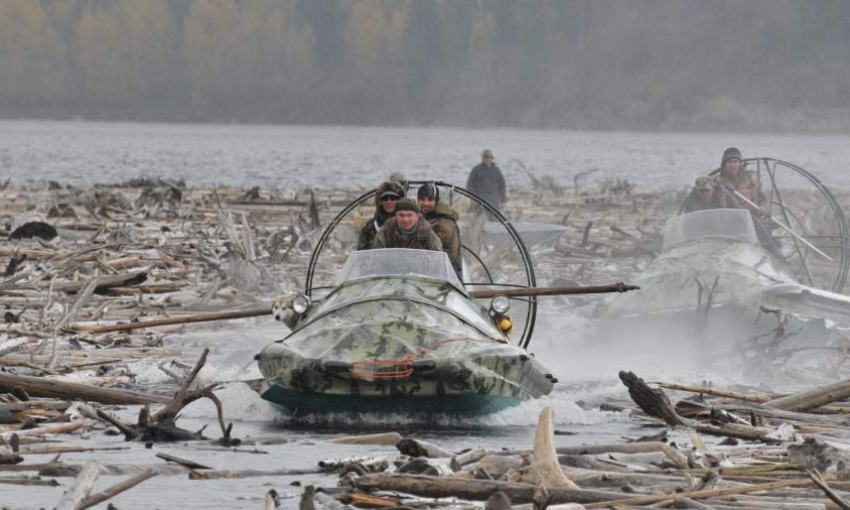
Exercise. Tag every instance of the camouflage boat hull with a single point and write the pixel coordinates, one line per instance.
(399, 343)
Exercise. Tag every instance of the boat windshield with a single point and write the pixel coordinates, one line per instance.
(398, 261)
(728, 223)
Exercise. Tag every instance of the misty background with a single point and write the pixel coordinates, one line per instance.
(757, 65)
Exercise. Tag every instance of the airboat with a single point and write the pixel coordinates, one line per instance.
(396, 330)
(747, 282)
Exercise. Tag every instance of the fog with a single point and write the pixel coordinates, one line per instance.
(715, 65)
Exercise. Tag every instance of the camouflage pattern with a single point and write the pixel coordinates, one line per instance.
(422, 237)
(443, 221)
(366, 239)
(726, 274)
(457, 352)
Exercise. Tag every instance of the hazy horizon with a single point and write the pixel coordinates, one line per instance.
(772, 66)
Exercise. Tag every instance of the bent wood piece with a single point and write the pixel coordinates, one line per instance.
(703, 494)
(554, 291)
(41, 387)
(653, 401)
(812, 398)
(545, 469)
(382, 439)
(215, 474)
(80, 488)
(186, 319)
(116, 489)
(475, 490)
(753, 398)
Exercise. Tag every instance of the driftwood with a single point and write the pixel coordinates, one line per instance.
(544, 469)
(652, 401)
(475, 490)
(41, 387)
(212, 474)
(75, 494)
(118, 488)
(417, 448)
(812, 398)
(385, 438)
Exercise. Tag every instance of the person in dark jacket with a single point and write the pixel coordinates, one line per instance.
(407, 229)
(702, 196)
(486, 181)
(386, 197)
(443, 221)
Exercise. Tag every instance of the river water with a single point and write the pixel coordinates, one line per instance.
(286, 157)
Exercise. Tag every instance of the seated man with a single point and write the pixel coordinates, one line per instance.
(386, 196)
(443, 221)
(407, 229)
(702, 196)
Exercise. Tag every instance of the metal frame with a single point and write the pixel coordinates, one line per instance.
(531, 314)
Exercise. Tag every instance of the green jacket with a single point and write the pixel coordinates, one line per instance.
(421, 237)
(443, 221)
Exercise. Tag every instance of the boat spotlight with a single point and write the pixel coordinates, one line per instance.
(301, 303)
(500, 305)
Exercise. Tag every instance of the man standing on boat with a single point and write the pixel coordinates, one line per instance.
(487, 182)
(407, 229)
(386, 197)
(443, 221)
(731, 178)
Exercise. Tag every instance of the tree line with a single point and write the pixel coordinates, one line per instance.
(772, 65)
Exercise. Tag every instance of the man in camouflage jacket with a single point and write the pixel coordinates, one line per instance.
(407, 229)
(443, 221)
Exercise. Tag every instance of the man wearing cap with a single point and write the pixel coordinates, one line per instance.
(386, 197)
(407, 229)
(443, 221)
(701, 197)
(487, 182)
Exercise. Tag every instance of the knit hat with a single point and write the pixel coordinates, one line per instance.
(407, 204)
(486, 153)
(730, 153)
(428, 190)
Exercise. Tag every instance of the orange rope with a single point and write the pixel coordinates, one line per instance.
(373, 370)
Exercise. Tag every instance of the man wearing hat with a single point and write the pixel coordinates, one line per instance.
(731, 178)
(386, 197)
(487, 182)
(443, 221)
(407, 229)
(701, 197)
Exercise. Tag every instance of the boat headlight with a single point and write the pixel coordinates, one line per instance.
(500, 305)
(301, 303)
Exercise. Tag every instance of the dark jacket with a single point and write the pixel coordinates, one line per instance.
(443, 221)
(366, 239)
(421, 237)
(488, 183)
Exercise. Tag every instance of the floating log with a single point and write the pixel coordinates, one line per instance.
(213, 474)
(118, 488)
(41, 387)
(75, 494)
(384, 438)
(475, 490)
(812, 398)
